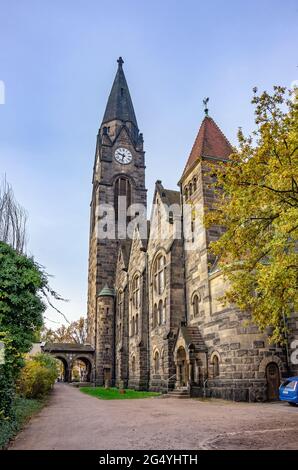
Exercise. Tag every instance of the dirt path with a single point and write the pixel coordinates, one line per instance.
(73, 420)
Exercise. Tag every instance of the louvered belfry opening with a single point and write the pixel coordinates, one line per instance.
(122, 189)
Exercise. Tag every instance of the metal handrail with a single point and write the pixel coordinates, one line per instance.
(168, 380)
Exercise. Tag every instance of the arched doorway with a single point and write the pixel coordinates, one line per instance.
(273, 381)
(81, 370)
(182, 368)
(63, 369)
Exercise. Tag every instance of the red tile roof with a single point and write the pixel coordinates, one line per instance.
(210, 142)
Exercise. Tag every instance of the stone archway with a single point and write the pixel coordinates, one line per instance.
(69, 353)
(271, 368)
(85, 373)
(66, 375)
(181, 368)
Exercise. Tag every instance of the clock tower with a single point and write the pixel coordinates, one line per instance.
(118, 182)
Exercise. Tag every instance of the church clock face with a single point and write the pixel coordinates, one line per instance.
(123, 156)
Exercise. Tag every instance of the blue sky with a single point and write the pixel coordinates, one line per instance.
(58, 61)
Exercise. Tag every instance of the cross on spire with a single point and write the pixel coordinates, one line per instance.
(120, 61)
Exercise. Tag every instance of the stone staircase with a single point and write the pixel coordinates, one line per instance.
(181, 392)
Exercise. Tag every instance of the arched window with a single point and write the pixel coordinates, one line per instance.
(190, 189)
(195, 303)
(154, 319)
(160, 312)
(137, 325)
(215, 364)
(159, 274)
(133, 326)
(194, 184)
(156, 362)
(136, 291)
(186, 194)
(122, 188)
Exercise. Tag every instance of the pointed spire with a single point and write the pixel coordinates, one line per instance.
(119, 104)
(210, 142)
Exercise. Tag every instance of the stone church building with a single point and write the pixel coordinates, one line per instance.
(154, 318)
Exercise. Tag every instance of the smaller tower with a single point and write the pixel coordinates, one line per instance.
(105, 351)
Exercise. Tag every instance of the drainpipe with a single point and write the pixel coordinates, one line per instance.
(114, 341)
(286, 341)
(148, 322)
(95, 343)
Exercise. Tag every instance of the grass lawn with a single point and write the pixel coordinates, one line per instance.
(23, 409)
(114, 393)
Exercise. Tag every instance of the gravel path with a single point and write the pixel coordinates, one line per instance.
(73, 420)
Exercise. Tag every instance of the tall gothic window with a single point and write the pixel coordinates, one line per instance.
(215, 366)
(122, 188)
(195, 305)
(136, 291)
(160, 312)
(133, 365)
(159, 274)
(156, 362)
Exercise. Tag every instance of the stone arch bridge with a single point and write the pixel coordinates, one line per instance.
(69, 353)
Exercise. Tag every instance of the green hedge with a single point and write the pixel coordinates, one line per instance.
(23, 409)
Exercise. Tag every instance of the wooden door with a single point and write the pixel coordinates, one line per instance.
(273, 381)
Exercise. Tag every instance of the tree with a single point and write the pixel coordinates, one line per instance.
(75, 332)
(257, 203)
(13, 219)
(21, 309)
(24, 292)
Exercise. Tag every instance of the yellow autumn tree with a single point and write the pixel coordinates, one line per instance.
(257, 203)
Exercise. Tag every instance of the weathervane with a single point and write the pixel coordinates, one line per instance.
(205, 102)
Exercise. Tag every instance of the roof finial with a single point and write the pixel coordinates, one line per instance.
(205, 102)
(120, 61)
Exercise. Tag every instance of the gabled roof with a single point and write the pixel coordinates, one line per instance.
(119, 104)
(210, 142)
(168, 196)
(193, 338)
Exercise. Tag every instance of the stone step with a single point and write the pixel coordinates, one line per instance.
(179, 393)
